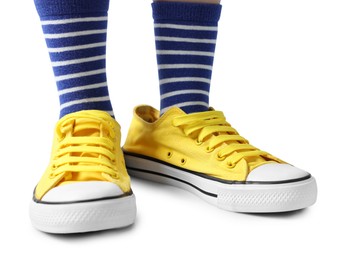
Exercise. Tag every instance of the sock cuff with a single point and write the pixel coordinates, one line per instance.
(190, 12)
(70, 7)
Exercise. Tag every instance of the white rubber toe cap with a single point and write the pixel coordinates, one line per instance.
(274, 172)
(80, 191)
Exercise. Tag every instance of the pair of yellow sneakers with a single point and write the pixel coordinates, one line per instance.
(86, 186)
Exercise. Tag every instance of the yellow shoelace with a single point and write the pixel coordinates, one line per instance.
(85, 146)
(212, 126)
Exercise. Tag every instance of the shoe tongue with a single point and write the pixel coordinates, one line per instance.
(85, 127)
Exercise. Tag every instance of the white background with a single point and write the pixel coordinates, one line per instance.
(279, 76)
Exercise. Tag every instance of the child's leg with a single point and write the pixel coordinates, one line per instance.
(86, 186)
(201, 152)
(185, 36)
(75, 33)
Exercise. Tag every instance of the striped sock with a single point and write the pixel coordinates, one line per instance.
(75, 33)
(185, 37)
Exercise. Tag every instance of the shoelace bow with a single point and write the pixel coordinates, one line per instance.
(212, 126)
(91, 154)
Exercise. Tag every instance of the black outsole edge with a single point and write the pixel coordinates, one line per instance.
(214, 178)
(176, 179)
(82, 201)
(179, 180)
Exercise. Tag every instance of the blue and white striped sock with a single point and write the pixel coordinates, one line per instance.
(75, 33)
(185, 37)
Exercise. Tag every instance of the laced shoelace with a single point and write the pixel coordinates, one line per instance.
(88, 154)
(212, 126)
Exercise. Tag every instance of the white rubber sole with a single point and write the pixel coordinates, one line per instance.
(82, 217)
(252, 198)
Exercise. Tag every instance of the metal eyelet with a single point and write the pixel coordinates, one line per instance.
(220, 158)
(209, 150)
(183, 161)
(169, 155)
(197, 142)
(230, 165)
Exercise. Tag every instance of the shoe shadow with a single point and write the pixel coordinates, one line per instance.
(286, 214)
(92, 234)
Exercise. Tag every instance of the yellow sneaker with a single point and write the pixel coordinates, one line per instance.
(202, 153)
(86, 186)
